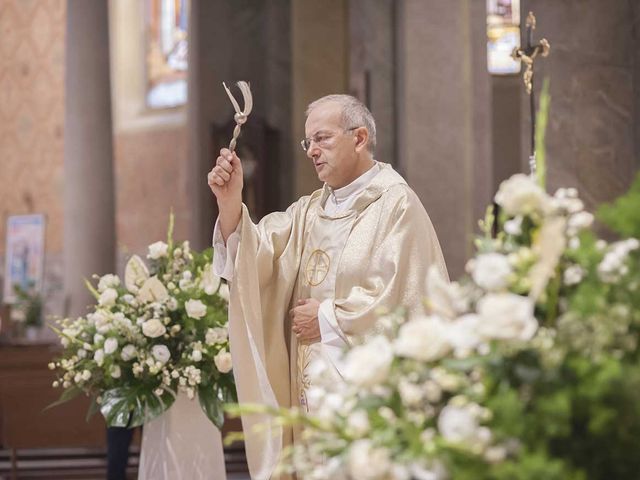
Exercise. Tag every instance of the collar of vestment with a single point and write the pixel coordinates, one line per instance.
(380, 183)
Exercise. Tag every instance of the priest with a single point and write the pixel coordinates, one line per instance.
(306, 281)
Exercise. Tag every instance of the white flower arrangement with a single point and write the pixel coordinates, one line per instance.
(417, 396)
(146, 340)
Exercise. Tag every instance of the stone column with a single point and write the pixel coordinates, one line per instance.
(592, 135)
(372, 68)
(89, 223)
(443, 111)
(320, 58)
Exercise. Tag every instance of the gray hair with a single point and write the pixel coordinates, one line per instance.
(354, 114)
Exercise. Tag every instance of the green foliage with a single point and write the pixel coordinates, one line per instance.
(623, 215)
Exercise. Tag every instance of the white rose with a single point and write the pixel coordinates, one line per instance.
(369, 364)
(161, 353)
(110, 345)
(98, 338)
(495, 454)
(195, 308)
(490, 271)
(108, 281)
(108, 298)
(506, 316)
(86, 375)
(153, 328)
(158, 250)
(115, 371)
(410, 393)
(445, 298)
(424, 338)
(216, 335)
(458, 424)
(433, 471)
(367, 462)
(521, 195)
(358, 423)
(98, 357)
(573, 275)
(224, 292)
(196, 355)
(128, 353)
(172, 304)
(210, 281)
(462, 334)
(223, 361)
(513, 226)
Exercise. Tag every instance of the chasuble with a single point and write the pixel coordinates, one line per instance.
(373, 255)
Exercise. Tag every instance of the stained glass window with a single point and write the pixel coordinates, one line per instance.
(503, 35)
(166, 53)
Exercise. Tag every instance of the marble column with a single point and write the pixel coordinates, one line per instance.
(89, 224)
(593, 132)
(444, 119)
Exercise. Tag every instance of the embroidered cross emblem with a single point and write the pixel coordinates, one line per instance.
(317, 267)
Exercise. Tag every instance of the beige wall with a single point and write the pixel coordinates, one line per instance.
(32, 113)
(150, 146)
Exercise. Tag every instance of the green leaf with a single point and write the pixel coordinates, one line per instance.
(90, 287)
(210, 399)
(115, 407)
(133, 406)
(94, 408)
(68, 394)
(542, 118)
(170, 231)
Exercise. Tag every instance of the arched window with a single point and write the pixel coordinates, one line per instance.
(166, 53)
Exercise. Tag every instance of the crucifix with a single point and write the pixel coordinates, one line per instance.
(528, 55)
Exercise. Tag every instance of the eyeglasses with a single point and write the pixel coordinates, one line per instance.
(322, 139)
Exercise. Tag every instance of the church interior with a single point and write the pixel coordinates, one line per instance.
(113, 112)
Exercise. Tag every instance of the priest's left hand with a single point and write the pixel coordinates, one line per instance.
(304, 318)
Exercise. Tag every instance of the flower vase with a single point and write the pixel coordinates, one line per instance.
(181, 444)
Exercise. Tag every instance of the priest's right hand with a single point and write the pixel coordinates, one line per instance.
(225, 179)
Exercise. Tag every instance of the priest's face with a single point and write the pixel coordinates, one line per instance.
(333, 145)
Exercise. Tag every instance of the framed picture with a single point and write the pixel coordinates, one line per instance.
(24, 257)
